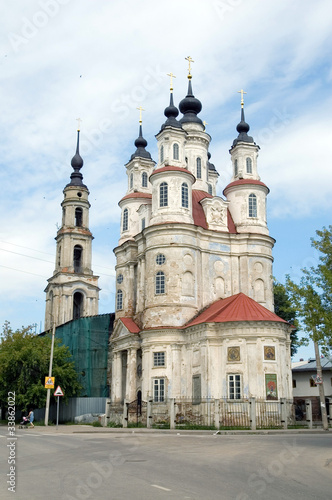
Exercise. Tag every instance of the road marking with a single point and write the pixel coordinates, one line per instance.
(160, 487)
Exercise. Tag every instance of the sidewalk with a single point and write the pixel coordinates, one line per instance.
(89, 429)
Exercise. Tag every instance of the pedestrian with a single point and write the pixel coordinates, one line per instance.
(31, 418)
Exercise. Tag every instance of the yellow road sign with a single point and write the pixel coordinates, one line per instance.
(49, 382)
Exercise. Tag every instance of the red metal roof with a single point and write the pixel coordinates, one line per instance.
(238, 307)
(198, 212)
(169, 168)
(241, 182)
(130, 325)
(137, 195)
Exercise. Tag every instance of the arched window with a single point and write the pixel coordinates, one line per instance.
(144, 179)
(236, 170)
(119, 300)
(160, 283)
(198, 168)
(125, 220)
(252, 205)
(78, 217)
(161, 154)
(210, 189)
(59, 255)
(175, 151)
(163, 192)
(131, 181)
(77, 305)
(184, 195)
(249, 165)
(77, 258)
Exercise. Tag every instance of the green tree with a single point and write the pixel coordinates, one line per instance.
(285, 310)
(312, 296)
(312, 299)
(24, 364)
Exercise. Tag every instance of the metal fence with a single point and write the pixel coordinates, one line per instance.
(209, 413)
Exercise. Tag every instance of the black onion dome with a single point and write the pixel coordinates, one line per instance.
(171, 112)
(243, 129)
(211, 167)
(190, 107)
(140, 144)
(76, 177)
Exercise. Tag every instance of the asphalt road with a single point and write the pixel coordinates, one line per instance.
(68, 465)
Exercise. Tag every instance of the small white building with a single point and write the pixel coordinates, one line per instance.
(305, 387)
(194, 300)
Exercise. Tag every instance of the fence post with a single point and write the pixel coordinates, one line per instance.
(308, 412)
(283, 412)
(172, 413)
(125, 414)
(149, 414)
(252, 413)
(217, 413)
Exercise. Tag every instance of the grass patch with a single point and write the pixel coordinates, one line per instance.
(96, 424)
(114, 425)
(138, 425)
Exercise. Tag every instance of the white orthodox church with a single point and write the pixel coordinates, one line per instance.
(194, 293)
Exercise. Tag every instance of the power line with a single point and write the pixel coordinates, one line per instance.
(21, 271)
(46, 253)
(23, 255)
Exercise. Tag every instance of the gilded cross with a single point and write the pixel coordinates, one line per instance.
(241, 92)
(140, 109)
(171, 76)
(205, 123)
(79, 123)
(189, 59)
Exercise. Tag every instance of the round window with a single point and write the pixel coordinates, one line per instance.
(160, 259)
(119, 279)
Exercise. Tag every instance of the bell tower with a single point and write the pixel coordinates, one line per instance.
(72, 292)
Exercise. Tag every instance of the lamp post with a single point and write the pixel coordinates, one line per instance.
(48, 396)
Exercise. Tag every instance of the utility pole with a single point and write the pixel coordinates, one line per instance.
(321, 388)
(48, 397)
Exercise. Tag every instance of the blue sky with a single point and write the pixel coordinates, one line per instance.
(64, 59)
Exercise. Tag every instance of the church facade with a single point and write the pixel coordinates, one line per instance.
(194, 292)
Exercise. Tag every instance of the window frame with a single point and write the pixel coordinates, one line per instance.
(159, 359)
(159, 389)
(125, 219)
(184, 195)
(144, 180)
(119, 299)
(160, 259)
(163, 194)
(234, 390)
(176, 151)
(252, 206)
(160, 283)
(236, 168)
(248, 165)
(198, 167)
(161, 153)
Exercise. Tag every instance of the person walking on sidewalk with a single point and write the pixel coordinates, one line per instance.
(31, 418)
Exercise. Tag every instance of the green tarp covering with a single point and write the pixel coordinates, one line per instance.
(87, 339)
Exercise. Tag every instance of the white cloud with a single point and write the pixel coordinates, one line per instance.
(100, 60)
